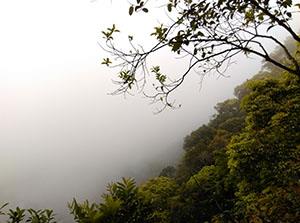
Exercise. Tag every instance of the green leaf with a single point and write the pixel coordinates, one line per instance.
(169, 6)
(106, 61)
(130, 10)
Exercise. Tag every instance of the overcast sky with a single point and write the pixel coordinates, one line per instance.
(61, 134)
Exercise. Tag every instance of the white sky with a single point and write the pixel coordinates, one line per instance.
(61, 135)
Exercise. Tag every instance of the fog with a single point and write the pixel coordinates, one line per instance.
(62, 135)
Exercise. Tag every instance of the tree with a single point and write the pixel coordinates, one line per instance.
(203, 144)
(168, 171)
(158, 194)
(210, 34)
(122, 204)
(264, 158)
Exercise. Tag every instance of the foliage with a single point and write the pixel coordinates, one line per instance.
(157, 193)
(268, 146)
(203, 144)
(168, 171)
(265, 157)
(122, 203)
(279, 54)
(19, 215)
(202, 192)
(273, 204)
(210, 34)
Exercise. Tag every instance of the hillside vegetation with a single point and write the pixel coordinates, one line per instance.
(242, 166)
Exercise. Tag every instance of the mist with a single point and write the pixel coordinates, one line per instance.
(62, 135)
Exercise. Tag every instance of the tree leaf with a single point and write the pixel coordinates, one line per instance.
(130, 10)
(169, 6)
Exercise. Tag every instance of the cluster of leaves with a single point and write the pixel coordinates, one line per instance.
(140, 5)
(204, 145)
(265, 157)
(126, 202)
(123, 203)
(19, 215)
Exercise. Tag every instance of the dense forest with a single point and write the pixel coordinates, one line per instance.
(242, 166)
